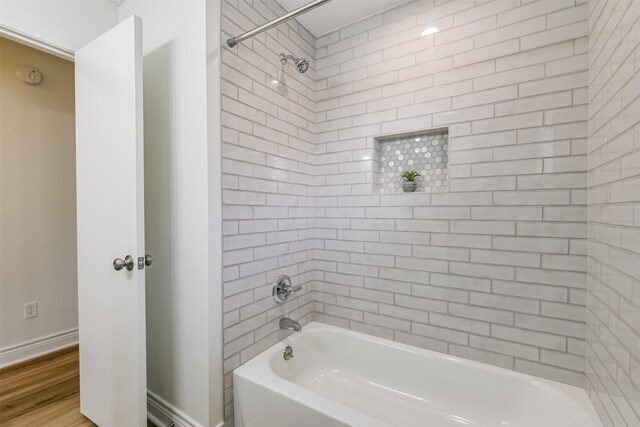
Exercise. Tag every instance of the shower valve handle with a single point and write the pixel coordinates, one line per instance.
(282, 289)
(290, 290)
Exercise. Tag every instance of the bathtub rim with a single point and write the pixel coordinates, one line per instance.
(258, 371)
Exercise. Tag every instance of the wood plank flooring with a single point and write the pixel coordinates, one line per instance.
(43, 392)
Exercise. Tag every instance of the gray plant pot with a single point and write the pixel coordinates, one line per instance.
(409, 186)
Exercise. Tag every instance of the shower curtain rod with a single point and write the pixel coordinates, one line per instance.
(264, 27)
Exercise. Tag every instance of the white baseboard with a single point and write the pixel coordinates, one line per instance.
(163, 414)
(38, 347)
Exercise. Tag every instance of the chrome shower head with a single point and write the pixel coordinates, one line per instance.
(302, 64)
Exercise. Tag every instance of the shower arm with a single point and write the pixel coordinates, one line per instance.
(284, 58)
(264, 27)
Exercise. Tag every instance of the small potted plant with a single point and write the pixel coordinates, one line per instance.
(408, 180)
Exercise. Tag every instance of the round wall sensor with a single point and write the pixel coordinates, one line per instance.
(29, 75)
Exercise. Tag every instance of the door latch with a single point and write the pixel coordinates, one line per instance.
(144, 260)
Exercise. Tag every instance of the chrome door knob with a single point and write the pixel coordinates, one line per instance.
(127, 262)
(148, 260)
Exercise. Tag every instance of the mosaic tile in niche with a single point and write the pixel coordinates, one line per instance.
(428, 153)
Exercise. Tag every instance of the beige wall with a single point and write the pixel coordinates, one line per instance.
(37, 197)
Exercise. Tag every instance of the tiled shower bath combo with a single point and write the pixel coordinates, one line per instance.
(503, 111)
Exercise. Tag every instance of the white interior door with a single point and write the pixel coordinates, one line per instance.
(110, 191)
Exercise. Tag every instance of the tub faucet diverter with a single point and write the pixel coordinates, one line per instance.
(286, 323)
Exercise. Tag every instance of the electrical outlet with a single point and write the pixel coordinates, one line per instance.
(31, 310)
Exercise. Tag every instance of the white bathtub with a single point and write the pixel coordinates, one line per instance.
(339, 377)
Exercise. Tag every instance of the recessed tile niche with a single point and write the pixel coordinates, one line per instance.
(427, 152)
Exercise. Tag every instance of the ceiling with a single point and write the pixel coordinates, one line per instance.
(332, 15)
(337, 13)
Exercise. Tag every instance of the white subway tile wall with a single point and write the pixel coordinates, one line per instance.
(493, 270)
(613, 300)
(268, 147)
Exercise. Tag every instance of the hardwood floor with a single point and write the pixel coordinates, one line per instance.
(42, 392)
